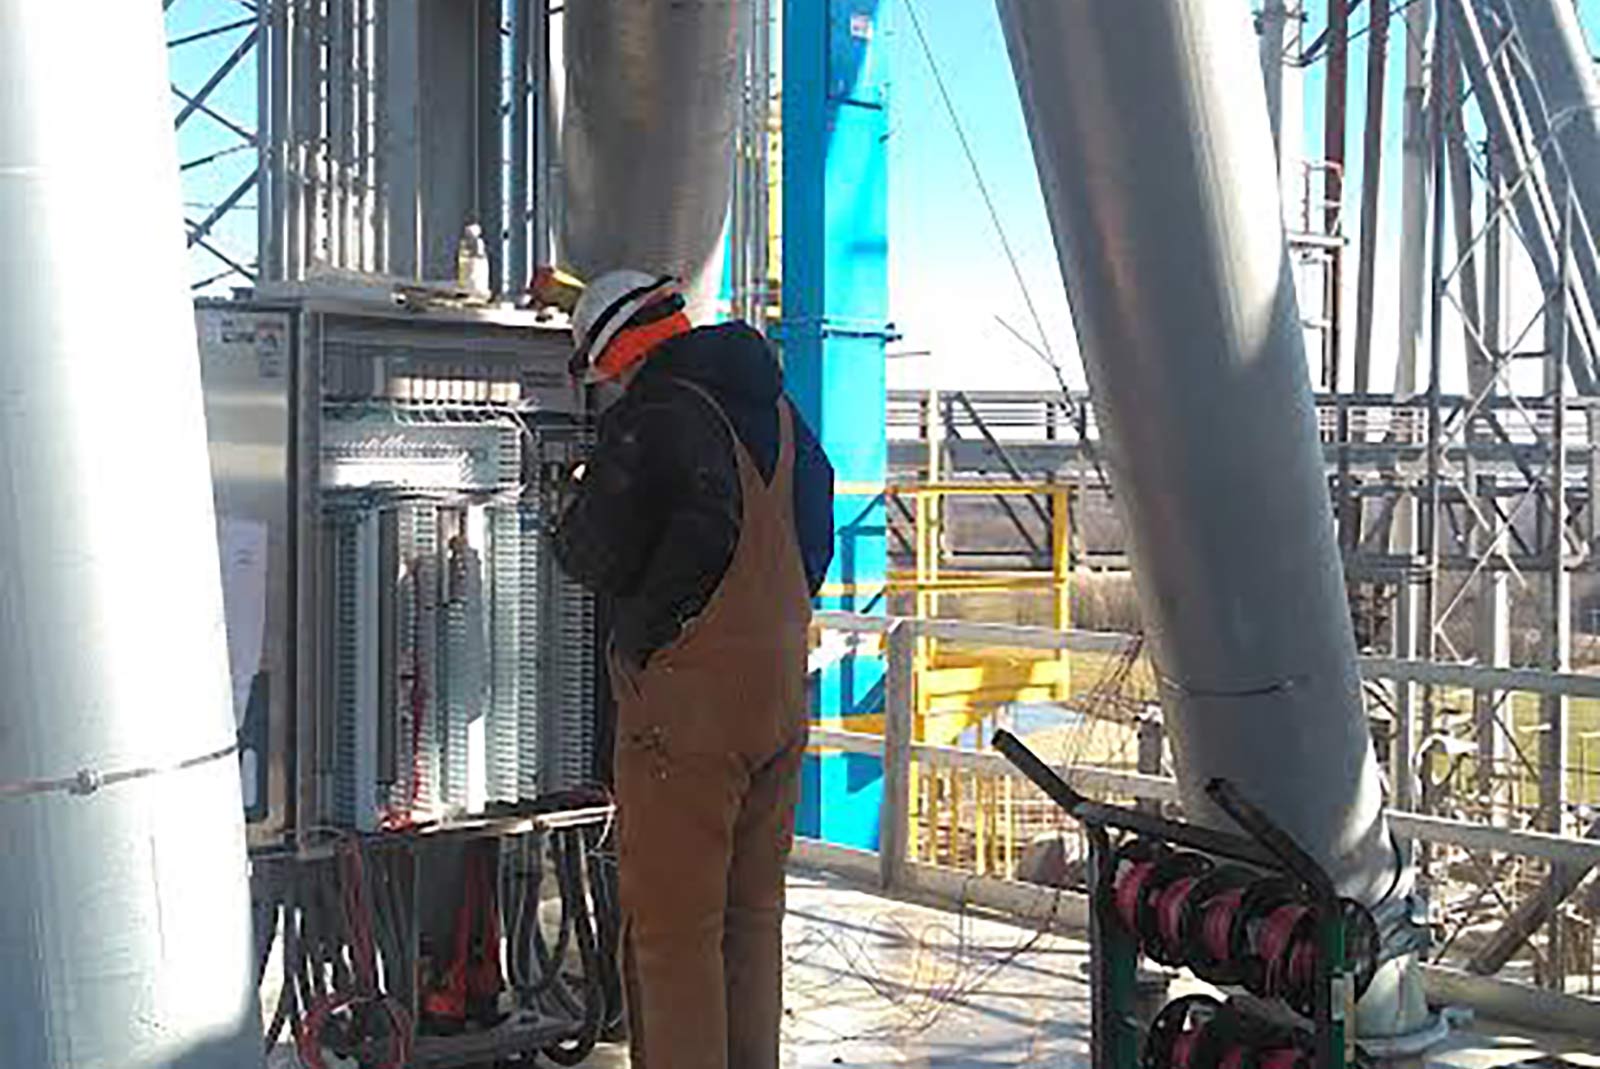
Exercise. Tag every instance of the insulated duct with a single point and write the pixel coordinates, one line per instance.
(124, 907)
(647, 136)
(1156, 163)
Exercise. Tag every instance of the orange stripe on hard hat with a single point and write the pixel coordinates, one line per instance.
(633, 344)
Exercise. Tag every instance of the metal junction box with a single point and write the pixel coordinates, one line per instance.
(402, 648)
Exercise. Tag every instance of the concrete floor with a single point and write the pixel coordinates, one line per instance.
(875, 982)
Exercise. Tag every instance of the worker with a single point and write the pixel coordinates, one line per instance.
(704, 516)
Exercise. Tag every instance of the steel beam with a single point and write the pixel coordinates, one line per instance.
(226, 68)
(1371, 186)
(834, 330)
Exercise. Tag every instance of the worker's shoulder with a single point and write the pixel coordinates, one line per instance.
(666, 417)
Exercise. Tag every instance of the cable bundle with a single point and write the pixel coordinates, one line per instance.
(1198, 1032)
(1228, 925)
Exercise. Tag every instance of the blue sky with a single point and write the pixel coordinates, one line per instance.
(949, 277)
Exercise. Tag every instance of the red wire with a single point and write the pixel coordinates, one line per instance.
(1183, 1048)
(1280, 1058)
(1169, 909)
(1276, 935)
(1126, 894)
(1217, 927)
(358, 920)
(1234, 1059)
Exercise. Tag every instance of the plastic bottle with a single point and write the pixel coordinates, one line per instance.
(472, 262)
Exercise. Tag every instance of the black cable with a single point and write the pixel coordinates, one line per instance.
(608, 919)
(571, 863)
(550, 961)
(977, 175)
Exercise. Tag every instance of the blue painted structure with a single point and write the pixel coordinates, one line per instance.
(835, 326)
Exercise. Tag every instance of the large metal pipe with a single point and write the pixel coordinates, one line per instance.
(1511, 121)
(1155, 159)
(124, 907)
(647, 135)
(1553, 42)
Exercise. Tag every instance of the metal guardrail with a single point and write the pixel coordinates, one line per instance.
(893, 870)
(897, 747)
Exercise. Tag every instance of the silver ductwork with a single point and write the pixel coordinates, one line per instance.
(1156, 162)
(647, 136)
(124, 908)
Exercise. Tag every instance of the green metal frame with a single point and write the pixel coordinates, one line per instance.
(1114, 952)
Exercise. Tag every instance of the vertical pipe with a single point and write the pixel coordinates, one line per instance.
(401, 113)
(264, 143)
(491, 198)
(518, 269)
(298, 60)
(543, 115)
(277, 200)
(361, 87)
(1480, 372)
(738, 218)
(1272, 23)
(1558, 602)
(377, 150)
(125, 930)
(1414, 193)
(316, 89)
(1407, 794)
(339, 128)
(1491, 611)
(1371, 187)
(761, 298)
(1199, 377)
(1432, 525)
(1333, 151)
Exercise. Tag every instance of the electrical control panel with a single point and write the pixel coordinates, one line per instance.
(402, 646)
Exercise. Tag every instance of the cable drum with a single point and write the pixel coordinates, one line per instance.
(1206, 924)
(1199, 1032)
(1160, 907)
(1185, 1035)
(1121, 884)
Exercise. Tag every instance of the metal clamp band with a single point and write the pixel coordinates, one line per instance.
(87, 781)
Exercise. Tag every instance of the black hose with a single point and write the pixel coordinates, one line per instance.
(550, 961)
(608, 920)
(570, 858)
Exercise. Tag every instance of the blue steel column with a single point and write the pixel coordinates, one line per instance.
(835, 325)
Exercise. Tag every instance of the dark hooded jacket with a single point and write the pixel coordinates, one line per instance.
(654, 521)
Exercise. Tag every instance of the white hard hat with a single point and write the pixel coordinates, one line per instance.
(610, 303)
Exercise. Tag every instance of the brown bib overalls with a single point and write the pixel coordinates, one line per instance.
(710, 736)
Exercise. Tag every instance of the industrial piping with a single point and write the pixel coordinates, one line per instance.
(1553, 42)
(124, 906)
(647, 136)
(1155, 158)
